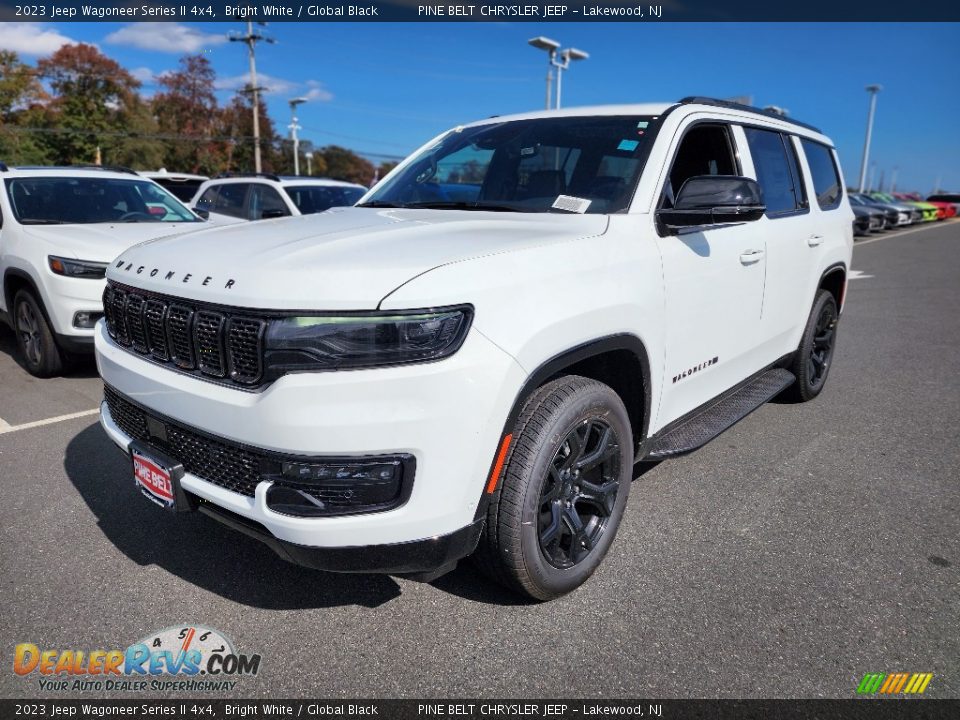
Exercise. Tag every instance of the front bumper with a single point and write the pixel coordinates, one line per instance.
(448, 415)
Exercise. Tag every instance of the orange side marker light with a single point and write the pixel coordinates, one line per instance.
(498, 465)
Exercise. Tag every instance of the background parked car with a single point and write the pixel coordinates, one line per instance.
(240, 198)
(927, 211)
(952, 198)
(865, 219)
(61, 227)
(182, 185)
(891, 216)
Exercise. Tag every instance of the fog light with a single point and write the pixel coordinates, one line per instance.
(337, 488)
(86, 320)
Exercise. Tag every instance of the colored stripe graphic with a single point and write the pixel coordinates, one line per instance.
(907, 683)
(870, 683)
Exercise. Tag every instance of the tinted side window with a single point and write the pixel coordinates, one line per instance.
(775, 171)
(266, 200)
(231, 199)
(704, 150)
(824, 173)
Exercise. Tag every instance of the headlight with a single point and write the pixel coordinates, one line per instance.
(77, 268)
(340, 342)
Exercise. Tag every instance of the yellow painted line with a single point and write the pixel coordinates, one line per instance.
(925, 683)
(8, 428)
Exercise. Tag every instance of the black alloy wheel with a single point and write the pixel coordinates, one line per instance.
(579, 493)
(811, 362)
(562, 491)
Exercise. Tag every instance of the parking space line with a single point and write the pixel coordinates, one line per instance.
(898, 233)
(6, 427)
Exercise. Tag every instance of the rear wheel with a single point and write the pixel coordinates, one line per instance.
(563, 491)
(811, 362)
(41, 356)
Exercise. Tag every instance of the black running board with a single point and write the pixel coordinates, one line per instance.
(704, 424)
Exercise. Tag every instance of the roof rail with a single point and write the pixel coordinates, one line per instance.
(268, 176)
(106, 168)
(698, 100)
(3, 167)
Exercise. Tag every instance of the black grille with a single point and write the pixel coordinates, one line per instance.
(221, 463)
(196, 338)
(240, 469)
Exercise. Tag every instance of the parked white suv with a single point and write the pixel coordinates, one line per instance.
(260, 196)
(472, 359)
(59, 227)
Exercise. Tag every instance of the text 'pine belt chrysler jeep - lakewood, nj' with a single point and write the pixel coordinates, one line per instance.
(470, 361)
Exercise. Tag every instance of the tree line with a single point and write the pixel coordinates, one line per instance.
(79, 106)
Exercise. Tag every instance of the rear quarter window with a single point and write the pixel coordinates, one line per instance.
(824, 172)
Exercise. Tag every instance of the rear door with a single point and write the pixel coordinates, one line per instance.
(792, 239)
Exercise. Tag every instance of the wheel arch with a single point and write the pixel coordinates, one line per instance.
(15, 280)
(620, 361)
(834, 280)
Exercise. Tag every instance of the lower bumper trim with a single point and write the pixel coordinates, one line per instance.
(418, 556)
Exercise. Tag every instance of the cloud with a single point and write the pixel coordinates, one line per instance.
(312, 89)
(143, 74)
(168, 37)
(317, 92)
(31, 38)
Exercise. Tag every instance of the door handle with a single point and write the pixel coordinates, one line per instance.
(814, 240)
(748, 257)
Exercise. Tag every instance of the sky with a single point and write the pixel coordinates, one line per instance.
(382, 89)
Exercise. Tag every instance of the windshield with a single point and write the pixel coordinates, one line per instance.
(88, 200)
(182, 190)
(317, 198)
(558, 164)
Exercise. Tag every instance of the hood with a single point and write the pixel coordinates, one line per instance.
(102, 242)
(342, 259)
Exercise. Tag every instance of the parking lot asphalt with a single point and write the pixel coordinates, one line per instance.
(808, 545)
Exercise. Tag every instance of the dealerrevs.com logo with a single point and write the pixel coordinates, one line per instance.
(185, 658)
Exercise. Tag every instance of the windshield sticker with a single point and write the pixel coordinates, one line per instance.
(628, 145)
(571, 204)
(642, 124)
(526, 152)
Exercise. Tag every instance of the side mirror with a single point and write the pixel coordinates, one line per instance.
(714, 200)
(205, 214)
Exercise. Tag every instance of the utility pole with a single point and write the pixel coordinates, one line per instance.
(251, 39)
(873, 90)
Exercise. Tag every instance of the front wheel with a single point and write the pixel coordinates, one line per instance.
(563, 492)
(41, 356)
(811, 362)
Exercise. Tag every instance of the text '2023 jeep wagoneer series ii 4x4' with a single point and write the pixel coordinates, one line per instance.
(470, 361)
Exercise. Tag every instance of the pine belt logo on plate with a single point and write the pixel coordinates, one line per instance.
(185, 658)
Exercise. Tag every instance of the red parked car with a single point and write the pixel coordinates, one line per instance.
(944, 209)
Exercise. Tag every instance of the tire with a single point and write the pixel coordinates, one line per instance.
(41, 355)
(811, 362)
(529, 542)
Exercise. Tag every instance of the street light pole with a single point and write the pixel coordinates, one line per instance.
(552, 47)
(293, 132)
(309, 157)
(873, 90)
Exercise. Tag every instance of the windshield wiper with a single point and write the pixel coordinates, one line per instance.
(462, 205)
(42, 221)
(379, 204)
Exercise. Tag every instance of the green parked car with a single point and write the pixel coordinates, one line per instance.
(929, 211)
